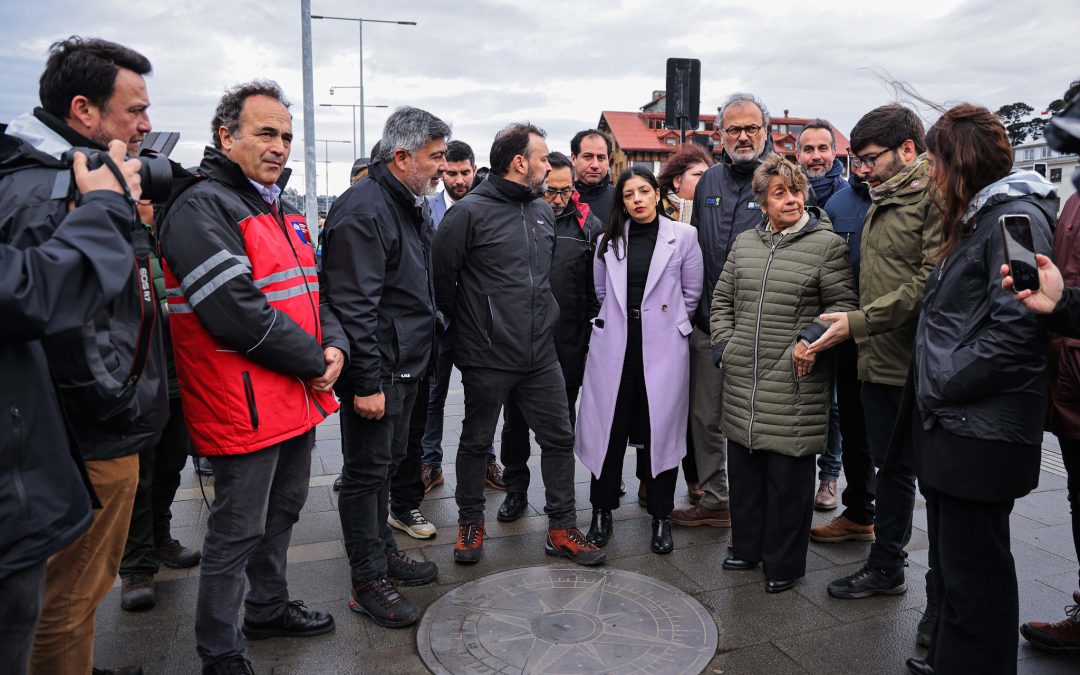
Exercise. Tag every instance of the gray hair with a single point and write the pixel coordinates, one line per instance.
(232, 104)
(742, 98)
(410, 129)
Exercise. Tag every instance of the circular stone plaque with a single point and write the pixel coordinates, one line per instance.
(566, 620)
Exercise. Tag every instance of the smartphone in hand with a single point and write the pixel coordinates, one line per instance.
(1020, 251)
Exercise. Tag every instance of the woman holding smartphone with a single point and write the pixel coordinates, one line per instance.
(648, 277)
(979, 388)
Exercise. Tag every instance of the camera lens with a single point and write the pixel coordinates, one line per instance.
(156, 175)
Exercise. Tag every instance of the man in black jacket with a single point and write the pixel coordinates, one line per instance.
(572, 285)
(45, 289)
(110, 371)
(590, 150)
(493, 258)
(376, 277)
(724, 207)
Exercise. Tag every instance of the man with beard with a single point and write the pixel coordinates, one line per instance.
(572, 285)
(724, 207)
(590, 150)
(816, 154)
(493, 259)
(456, 179)
(376, 277)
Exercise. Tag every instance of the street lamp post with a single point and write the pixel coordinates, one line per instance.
(326, 159)
(360, 25)
(360, 152)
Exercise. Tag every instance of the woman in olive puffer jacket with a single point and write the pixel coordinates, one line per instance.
(779, 278)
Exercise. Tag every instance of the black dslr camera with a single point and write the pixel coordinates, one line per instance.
(156, 172)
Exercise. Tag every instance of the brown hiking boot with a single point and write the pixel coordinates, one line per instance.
(825, 499)
(494, 477)
(1062, 636)
(432, 477)
(692, 516)
(841, 529)
(571, 543)
(470, 544)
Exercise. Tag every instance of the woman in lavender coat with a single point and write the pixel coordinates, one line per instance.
(648, 279)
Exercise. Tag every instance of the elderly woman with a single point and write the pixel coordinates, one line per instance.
(778, 279)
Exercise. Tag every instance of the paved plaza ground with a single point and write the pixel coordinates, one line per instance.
(801, 631)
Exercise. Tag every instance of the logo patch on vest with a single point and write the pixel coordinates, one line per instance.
(752, 205)
(299, 225)
(712, 201)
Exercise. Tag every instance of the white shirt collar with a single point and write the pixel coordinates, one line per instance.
(448, 199)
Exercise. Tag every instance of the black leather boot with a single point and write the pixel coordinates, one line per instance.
(600, 529)
(661, 536)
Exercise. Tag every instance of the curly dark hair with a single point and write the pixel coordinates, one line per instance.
(687, 156)
(232, 104)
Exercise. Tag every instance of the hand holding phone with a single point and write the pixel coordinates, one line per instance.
(1019, 252)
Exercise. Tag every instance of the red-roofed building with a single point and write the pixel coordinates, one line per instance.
(642, 138)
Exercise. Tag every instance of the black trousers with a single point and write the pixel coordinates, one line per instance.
(975, 576)
(858, 496)
(159, 477)
(22, 595)
(772, 504)
(515, 449)
(1070, 456)
(406, 485)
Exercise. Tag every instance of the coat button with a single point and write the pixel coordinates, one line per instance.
(663, 308)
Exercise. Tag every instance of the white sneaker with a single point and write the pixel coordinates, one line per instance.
(413, 524)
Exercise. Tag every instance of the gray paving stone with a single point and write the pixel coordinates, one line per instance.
(872, 647)
(747, 615)
(762, 658)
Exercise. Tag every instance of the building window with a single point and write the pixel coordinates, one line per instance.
(1047, 152)
(671, 141)
(1055, 175)
(1029, 153)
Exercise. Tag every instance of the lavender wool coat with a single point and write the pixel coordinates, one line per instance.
(672, 292)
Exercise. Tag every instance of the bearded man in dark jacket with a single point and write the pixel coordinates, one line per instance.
(724, 207)
(493, 260)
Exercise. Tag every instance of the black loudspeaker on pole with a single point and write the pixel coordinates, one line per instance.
(683, 94)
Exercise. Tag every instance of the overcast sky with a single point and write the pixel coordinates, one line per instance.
(481, 64)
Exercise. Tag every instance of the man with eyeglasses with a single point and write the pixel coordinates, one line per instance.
(724, 207)
(900, 237)
(572, 285)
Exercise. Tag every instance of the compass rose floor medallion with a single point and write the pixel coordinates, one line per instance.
(566, 620)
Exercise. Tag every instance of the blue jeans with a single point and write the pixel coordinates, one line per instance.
(830, 461)
(431, 443)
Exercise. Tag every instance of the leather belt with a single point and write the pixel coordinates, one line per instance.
(634, 314)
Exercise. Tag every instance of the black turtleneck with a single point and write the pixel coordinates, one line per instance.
(640, 242)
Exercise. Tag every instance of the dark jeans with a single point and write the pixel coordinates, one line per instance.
(436, 404)
(976, 577)
(257, 500)
(373, 451)
(406, 485)
(861, 490)
(772, 504)
(22, 596)
(159, 477)
(1070, 457)
(515, 449)
(541, 396)
(895, 487)
(830, 461)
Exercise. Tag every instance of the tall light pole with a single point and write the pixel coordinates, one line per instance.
(360, 153)
(311, 186)
(360, 25)
(326, 159)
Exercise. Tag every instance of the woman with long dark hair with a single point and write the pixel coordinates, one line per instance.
(979, 391)
(648, 278)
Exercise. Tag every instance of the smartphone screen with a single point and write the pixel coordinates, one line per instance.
(1020, 252)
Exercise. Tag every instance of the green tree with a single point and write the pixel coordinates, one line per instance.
(1015, 117)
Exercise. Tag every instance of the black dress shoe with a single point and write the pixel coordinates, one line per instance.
(202, 466)
(512, 507)
(779, 585)
(919, 667)
(733, 563)
(295, 621)
(337, 483)
(661, 536)
(601, 528)
(622, 488)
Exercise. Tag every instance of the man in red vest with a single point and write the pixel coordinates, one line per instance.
(256, 361)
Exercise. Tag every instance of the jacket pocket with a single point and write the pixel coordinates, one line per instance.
(249, 394)
(17, 447)
(685, 327)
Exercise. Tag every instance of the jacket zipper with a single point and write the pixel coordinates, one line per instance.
(532, 289)
(249, 394)
(17, 478)
(757, 341)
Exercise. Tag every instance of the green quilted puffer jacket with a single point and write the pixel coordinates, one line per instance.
(770, 294)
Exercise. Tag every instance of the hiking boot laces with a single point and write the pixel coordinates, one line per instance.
(470, 535)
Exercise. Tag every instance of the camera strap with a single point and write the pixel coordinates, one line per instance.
(148, 308)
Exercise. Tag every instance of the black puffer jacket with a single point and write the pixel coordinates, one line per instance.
(572, 286)
(980, 362)
(492, 262)
(46, 289)
(724, 208)
(376, 277)
(114, 411)
(599, 197)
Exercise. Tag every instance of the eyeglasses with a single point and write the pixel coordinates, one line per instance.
(564, 193)
(751, 130)
(869, 161)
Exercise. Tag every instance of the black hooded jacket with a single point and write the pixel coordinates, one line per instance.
(493, 258)
(572, 286)
(376, 278)
(599, 197)
(46, 288)
(114, 410)
(724, 208)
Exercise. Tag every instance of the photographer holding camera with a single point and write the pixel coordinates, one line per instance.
(109, 370)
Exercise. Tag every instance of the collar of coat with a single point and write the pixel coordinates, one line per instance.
(506, 190)
(380, 173)
(218, 167)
